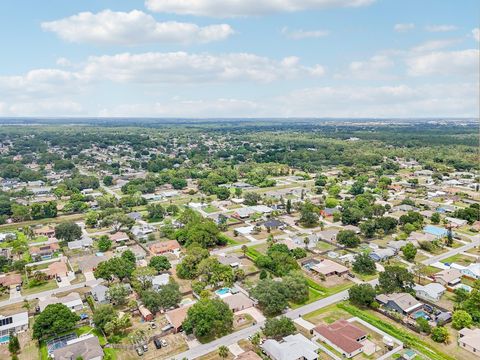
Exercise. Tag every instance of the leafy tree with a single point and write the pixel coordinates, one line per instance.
(272, 296)
(223, 352)
(104, 243)
(368, 228)
(159, 263)
(435, 218)
(214, 273)
(54, 320)
(13, 344)
(364, 264)
(68, 231)
(108, 180)
(129, 256)
(104, 314)
(308, 214)
(461, 319)
(156, 212)
(297, 287)
(143, 276)
(409, 252)
(118, 294)
(362, 294)
(278, 328)
(395, 279)
(222, 193)
(118, 221)
(251, 198)
(472, 303)
(208, 318)
(288, 207)
(187, 269)
(424, 325)
(91, 218)
(348, 238)
(440, 334)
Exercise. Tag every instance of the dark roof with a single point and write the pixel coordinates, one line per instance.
(272, 223)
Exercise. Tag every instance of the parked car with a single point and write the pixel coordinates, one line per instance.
(164, 343)
(428, 308)
(153, 325)
(351, 275)
(18, 287)
(157, 343)
(139, 351)
(145, 347)
(59, 279)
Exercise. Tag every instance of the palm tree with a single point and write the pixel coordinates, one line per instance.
(306, 241)
(244, 249)
(223, 352)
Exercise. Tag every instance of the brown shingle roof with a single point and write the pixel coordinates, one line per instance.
(343, 334)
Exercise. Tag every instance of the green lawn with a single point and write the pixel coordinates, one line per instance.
(459, 259)
(49, 285)
(210, 209)
(313, 295)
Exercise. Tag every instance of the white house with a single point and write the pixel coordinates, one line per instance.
(13, 323)
(73, 301)
(431, 292)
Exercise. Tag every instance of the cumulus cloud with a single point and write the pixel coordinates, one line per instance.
(462, 62)
(132, 28)
(404, 27)
(434, 45)
(476, 34)
(182, 67)
(300, 34)
(440, 28)
(55, 108)
(373, 68)
(234, 8)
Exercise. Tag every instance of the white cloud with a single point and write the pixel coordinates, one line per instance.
(132, 28)
(395, 101)
(373, 68)
(55, 108)
(233, 8)
(476, 34)
(221, 107)
(434, 45)
(404, 27)
(462, 62)
(440, 28)
(182, 67)
(300, 34)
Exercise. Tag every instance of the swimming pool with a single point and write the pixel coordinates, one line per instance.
(223, 291)
(4, 339)
(435, 230)
(420, 314)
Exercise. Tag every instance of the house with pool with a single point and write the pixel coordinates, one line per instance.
(15, 323)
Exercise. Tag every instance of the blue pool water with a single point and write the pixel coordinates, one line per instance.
(4, 339)
(222, 291)
(420, 314)
(435, 230)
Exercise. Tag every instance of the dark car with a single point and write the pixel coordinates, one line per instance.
(428, 308)
(157, 343)
(18, 287)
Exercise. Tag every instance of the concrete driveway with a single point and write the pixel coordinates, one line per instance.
(253, 312)
(14, 294)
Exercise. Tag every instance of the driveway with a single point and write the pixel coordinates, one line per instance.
(89, 276)
(253, 312)
(14, 294)
(65, 282)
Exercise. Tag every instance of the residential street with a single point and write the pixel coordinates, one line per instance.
(244, 333)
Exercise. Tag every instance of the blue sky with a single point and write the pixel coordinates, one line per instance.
(231, 58)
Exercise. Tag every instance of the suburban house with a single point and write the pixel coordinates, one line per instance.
(163, 247)
(420, 236)
(329, 235)
(8, 280)
(238, 302)
(470, 340)
(431, 292)
(13, 323)
(456, 222)
(273, 224)
(141, 233)
(84, 347)
(448, 277)
(83, 243)
(73, 301)
(328, 267)
(7, 236)
(160, 280)
(47, 231)
(177, 316)
(293, 347)
(382, 254)
(402, 303)
(119, 236)
(343, 337)
(99, 293)
(57, 268)
(229, 259)
(472, 271)
(243, 213)
(300, 240)
(45, 251)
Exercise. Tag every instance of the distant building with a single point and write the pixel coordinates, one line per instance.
(343, 337)
(402, 303)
